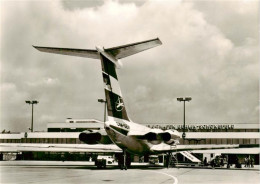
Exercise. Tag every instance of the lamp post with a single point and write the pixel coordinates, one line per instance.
(103, 101)
(31, 103)
(186, 99)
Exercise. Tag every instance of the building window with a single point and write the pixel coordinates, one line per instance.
(73, 141)
(252, 141)
(229, 141)
(46, 140)
(59, 140)
(213, 141)
(246, 141)
(235, 141)
(50, 140)
(224, 141)
(78, 141)
(240, 141)
(181, 141)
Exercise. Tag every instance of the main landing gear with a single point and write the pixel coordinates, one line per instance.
(124, 160)
(123, 165)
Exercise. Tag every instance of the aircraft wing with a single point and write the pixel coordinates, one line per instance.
(130, 49)
(247, 151)
(71, 52)
(161, 148)
(97, 148)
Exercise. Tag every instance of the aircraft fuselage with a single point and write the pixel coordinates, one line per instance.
(124, 134)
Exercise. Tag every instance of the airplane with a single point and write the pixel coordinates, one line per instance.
(132, 138)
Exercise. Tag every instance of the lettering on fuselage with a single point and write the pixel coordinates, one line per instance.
(123, 125)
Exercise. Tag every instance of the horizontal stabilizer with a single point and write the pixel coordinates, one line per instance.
(117, 52)
(130, 49)
(71, 52)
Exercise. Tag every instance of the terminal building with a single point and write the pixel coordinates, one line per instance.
(246, 135)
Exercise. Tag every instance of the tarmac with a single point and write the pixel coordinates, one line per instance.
(86, 172)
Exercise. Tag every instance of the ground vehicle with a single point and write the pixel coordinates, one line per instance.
(218, 161)
(153, 159)
(103, 161)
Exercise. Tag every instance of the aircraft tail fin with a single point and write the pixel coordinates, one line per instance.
(115, 102)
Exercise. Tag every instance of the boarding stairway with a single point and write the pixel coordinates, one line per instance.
(187, 154)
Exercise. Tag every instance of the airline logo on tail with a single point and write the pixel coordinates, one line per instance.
(119, 104)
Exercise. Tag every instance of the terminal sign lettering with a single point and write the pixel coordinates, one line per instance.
(193, 127)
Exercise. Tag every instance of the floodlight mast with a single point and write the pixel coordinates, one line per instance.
(182, 99)
(31, 103)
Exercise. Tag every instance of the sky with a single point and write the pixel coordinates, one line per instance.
(210, 52)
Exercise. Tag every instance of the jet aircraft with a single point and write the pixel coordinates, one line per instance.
(132, 138)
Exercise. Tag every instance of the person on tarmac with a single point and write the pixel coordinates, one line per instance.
(252, 162)
(246, 161)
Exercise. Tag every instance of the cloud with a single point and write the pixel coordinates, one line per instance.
(238, 20)
(208, 55)
(46, 82)
(75, 5)
(72, 5)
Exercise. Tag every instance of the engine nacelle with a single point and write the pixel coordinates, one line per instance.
(90, 138)
(152, 138)
(157, 138)
(168, 137)
(95, 137)
(174, 137)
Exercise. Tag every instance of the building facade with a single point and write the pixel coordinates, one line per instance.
(246, 135)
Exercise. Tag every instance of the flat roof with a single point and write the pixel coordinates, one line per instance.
(99, 124)
(222, 135)
(76, 125)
